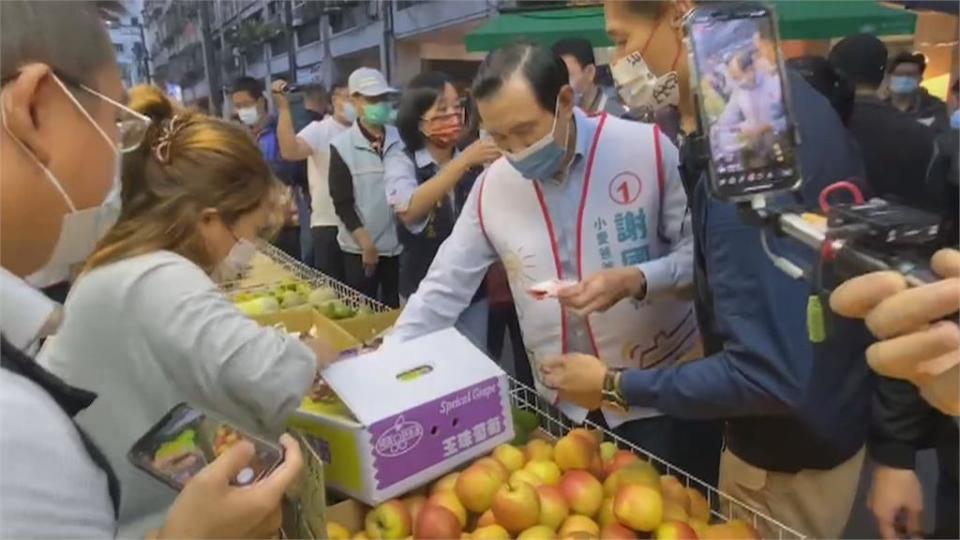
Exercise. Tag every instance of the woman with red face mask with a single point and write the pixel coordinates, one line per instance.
(428, 182)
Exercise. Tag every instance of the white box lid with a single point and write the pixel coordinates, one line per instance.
(368, 384)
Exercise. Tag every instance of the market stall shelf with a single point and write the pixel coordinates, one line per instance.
(553, 424)
(532, 416)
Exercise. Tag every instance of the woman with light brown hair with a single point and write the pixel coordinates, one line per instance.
(147, 316)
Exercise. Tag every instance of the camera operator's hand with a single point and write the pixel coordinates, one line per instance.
(210, 507)
(916, 344)
(896, 491)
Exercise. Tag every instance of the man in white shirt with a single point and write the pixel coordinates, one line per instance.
(594, 203)
(313, 144)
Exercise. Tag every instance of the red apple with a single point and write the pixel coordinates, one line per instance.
(579, 525)
(620, 459)
(447, 482)
(477, 486)
(699, 507)
(389, 520)
(675, 530)
(616, 531)
(495, 466)
(547, 471)
(516, 508)
(449, 500)
(583, 492)
(673, 490)
(639, 507)
(491, 532)
(605, 516)
(538, 449)
(574, 452)
(509, 456)
(553, 506)
(538, 532)
(437, 522)
(414, 504)
(486, 519)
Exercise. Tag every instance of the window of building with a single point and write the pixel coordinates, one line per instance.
(404, 4)
(308, 33)
(279, 45)
(134, 21)
(118, 47)
(254, 54)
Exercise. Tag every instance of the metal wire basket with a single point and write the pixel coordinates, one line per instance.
(301, 272)
(722, 506)
(552, 421)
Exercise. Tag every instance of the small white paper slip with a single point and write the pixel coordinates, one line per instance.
(548, 288)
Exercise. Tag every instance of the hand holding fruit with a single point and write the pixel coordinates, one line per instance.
(210, 507)
(578, 377)
(600, 291)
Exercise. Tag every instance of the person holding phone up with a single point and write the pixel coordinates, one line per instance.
(62, 124)
(146, 325)
(796, 407)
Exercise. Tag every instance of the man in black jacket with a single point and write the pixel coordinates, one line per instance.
(897, 151)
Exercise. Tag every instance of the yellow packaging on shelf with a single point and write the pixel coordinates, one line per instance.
(302, 319)
(365, 327)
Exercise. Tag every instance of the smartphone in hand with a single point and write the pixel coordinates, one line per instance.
(186, 439)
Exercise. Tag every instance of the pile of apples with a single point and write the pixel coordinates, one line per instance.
(575, 489)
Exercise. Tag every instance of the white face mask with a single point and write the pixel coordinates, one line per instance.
(640, 89)
(249, 116)
(349, 113)
(80, 229)
(236, 263)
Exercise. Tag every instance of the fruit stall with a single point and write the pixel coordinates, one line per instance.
(430, 439)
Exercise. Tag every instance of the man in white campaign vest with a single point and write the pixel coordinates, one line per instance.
(594, 201)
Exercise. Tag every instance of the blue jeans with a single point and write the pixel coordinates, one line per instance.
(302, 199)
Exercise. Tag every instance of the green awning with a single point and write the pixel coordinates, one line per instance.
(543, 27)
(827, 19)
(798, 19)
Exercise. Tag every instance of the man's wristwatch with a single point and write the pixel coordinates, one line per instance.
(611, 393)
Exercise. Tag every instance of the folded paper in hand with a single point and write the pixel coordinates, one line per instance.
(549, 288)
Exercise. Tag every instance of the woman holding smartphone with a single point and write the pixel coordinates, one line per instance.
(147, 327)
(428, 183)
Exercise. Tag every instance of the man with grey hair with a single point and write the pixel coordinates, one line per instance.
(64, 129)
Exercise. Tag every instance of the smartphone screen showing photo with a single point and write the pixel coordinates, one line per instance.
(186, 440)
(741, 95)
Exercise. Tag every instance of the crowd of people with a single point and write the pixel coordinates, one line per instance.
(671, 326)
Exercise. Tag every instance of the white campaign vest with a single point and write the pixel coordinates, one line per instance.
(617, 225)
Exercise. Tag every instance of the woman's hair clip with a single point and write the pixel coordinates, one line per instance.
(169, 129)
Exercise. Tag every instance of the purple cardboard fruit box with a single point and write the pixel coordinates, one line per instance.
(417, 410)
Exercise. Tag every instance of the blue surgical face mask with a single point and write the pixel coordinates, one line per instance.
(540, 160)
(955, 119)
(901, 84)
(349, 113)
